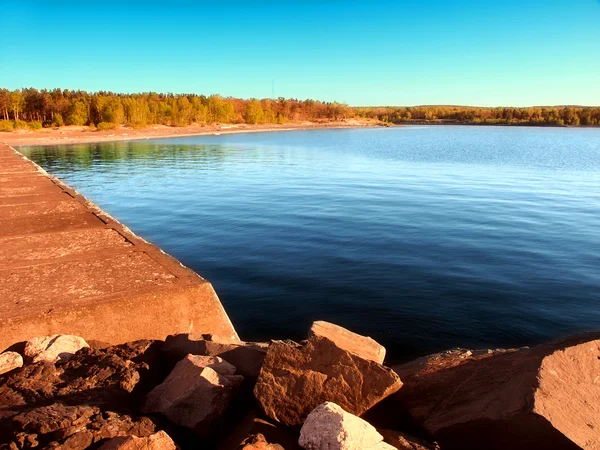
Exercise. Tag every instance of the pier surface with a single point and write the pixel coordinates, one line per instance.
(66, 267)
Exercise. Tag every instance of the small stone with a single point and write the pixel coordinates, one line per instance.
(402, 441)
(10, 361)
(258, 442)
(53, 348)
(196, 393)
(295, 380)
(329, 427)
(362, 346)
(156, 441)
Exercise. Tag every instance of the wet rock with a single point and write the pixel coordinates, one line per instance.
(54, 347)
(402, 441)
(10, 361)
(295, 380)
(156, 441)
(258, 442)
(362, 346)
(544, 397)
(247, 357)
(196, 393)
(329, 427)
(105, 378)
(71, 427)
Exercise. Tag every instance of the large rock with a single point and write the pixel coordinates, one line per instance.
(294, 380)
(544, 397)
(196, 393)
(55, 347)
(247, 357)
(68, 427)
(156, 441)
(329, 427)
(362, 346)
(10, 361)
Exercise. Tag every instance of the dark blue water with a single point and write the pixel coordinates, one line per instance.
(424, 238)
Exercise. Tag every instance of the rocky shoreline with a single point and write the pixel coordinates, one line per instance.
(329, 392)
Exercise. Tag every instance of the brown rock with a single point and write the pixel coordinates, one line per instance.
(69, 427)
(295, 380)
(403, 441)
(105, 378)
(247, 357)
(258, 442)
(362, 346)
(156, 441)
(544, 397)
(196, 393)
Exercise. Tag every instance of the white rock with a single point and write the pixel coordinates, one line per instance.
(156, 441)
(10, 361)
(54, 347)
(329, 427)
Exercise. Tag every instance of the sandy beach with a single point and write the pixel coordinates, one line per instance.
(81, 134)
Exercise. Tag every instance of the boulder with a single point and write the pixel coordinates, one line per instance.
(54, 347)
(156, 441)
(69, 427)
(196, 393)
(247, 357)
(543, 397)
(10, 361)
(294, 380)
(258, 442)
(362, 346)
(329, 427)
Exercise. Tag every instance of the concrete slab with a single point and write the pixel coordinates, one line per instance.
(18, 251)
(54, 194)
(46, 223)
(52, 206)
(68, 267)
(57, 285)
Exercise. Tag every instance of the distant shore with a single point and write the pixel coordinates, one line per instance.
(82, 134)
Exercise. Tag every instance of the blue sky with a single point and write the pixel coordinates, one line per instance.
(358, 52)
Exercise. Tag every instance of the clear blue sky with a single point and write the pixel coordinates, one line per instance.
(477, 52)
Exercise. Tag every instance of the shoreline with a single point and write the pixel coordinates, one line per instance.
(74, 134)
(82, 135)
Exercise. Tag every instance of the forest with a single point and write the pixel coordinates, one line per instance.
(33, 108)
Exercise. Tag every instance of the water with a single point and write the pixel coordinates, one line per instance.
(424, 238)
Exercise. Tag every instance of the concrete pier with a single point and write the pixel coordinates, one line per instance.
(68, 267)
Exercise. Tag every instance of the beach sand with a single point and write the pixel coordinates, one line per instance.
(81, 134)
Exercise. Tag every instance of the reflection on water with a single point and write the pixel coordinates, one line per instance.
(422, 237)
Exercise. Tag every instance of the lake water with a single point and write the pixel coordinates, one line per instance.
(424, 238)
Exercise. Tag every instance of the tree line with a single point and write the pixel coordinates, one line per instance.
(535, 115)
(57, 107)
